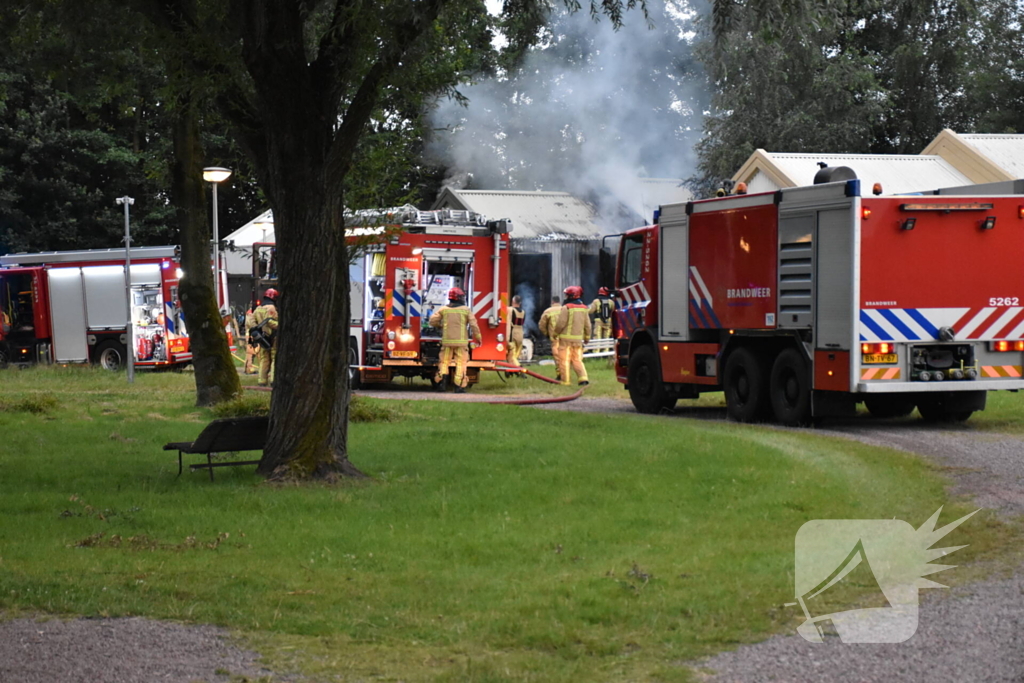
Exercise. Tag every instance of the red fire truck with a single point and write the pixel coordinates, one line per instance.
(72, 307)
(406, 262)
(807, 301)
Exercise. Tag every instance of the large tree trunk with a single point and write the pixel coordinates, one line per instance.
(216, 377)
(309, 408)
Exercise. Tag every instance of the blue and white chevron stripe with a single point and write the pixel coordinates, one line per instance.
(398, 304)
(906, 324)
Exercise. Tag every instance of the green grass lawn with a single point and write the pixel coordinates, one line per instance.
(493, 543)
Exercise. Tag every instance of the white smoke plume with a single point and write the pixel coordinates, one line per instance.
(589, 112)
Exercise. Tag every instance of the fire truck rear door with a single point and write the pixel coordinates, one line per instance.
(67, 315)
(105, 297)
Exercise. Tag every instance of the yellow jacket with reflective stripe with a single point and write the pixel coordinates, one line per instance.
(453, 321)
(573, 324)
(262, 313)
(548, 319)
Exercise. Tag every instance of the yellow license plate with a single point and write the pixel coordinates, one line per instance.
(879, 358)
(403, 354)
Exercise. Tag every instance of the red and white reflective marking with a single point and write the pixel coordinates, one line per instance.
(1000, 371)
(880, 373)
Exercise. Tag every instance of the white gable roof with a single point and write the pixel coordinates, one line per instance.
(898, 173)
(1005, 151)
(534, 215)
(259, 229)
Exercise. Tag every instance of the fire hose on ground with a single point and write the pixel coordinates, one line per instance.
(509, 367)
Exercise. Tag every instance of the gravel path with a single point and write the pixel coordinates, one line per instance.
(969, 633)
(131, 650)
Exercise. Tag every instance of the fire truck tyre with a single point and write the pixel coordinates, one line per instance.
(791, 389)
(889, 405)
(646, 390)
(746, 387)
(110, 355)
(354, 375)
(935, 411)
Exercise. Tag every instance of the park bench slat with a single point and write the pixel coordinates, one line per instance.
(226, 435)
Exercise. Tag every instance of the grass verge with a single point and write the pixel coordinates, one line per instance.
(494, 543)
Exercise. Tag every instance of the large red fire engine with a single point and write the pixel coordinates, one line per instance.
(72, 307)
(807, 301)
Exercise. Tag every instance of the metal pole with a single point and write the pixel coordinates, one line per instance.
(216, 251)
(130, 356)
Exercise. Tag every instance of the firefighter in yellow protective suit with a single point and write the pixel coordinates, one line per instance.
(251, 350)
(267, 357)
(547, 327)
(602, 308)
(516, 318)
(454, 320)
(573, 330)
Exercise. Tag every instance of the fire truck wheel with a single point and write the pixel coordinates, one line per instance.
(746, 387)
(646, 390)
(934, 411)
(110, 355)
(889, 405)
(354, 376)
(791, 389)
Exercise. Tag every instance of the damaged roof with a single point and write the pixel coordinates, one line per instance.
(534, 215)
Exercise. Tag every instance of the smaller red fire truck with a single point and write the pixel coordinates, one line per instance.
(805, 302)
(403, 263)
(399, 278)
(72, 307)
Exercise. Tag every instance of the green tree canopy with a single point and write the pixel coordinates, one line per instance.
(859, 76)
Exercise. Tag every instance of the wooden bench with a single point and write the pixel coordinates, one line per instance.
(227, 435)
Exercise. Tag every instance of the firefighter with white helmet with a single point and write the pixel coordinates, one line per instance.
(602, 308)
(458, 326)
(265, 318)
(573, 330)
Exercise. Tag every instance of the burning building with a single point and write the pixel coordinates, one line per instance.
(558, 237)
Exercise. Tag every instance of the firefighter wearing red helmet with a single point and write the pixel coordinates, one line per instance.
(458, 325)
(603, 308)
(573, 330)
(265, 318)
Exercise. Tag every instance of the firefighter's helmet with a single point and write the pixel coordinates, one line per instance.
(270, 294)
(603, 291)
(573, 292)
(456, 294)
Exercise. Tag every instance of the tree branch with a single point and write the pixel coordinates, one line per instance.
(405, 35)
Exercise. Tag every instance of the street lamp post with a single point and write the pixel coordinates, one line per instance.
(130, 355)
(215, 175)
